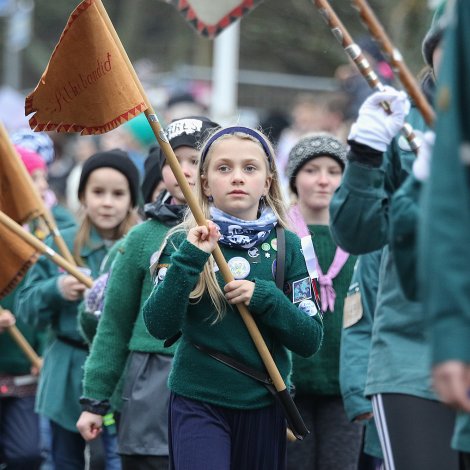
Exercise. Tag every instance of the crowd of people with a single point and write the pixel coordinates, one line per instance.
(154, 367)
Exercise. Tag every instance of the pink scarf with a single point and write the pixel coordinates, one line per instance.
(327, 292)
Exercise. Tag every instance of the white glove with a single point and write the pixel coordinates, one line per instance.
(374, 127)
(422, 163)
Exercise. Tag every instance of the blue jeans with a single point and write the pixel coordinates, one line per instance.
(113, 461)
(46, 443)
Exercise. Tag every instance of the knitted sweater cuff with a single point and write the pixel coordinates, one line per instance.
(259, 303)
(191, 257)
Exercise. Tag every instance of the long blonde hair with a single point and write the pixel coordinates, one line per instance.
(207, 280)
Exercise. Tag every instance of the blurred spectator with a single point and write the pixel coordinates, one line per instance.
(183, 104)
(141, 132)
(81, 149)
(354, 84)
(152, 183)
(38, 142)
(274, 123)
(12, 109)
(122, 137)
(307, 115)
(61, 166)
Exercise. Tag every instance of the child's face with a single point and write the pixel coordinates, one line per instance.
(39, 178)
(107, 200)
(316, 182)
(188, 159)
(237, 177)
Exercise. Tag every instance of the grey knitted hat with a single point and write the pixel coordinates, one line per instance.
(313, 146)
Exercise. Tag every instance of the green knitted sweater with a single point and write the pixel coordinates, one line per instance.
(320, 374)
(283, 325)
(121, 328)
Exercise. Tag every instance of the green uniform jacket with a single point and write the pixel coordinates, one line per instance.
(404, 219)
(445, 225)
(400, 352)
(405, 212)
(284, 326)
(319, 374)
(41, 305)
(12, 359)
(121, 328)
(88, 321)
(355, 348)
(63, 217)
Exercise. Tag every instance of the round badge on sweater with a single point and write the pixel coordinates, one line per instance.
(240, 267)
(308, 307)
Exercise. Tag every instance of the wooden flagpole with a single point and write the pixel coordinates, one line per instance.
(253, 329)
(23, 344)
(355, 54)
(9, 223)
(395, 58)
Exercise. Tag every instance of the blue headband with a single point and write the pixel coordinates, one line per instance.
(233, 130)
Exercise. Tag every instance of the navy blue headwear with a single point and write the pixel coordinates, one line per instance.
(232, 130)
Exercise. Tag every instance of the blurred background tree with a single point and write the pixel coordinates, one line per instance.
(278, 36)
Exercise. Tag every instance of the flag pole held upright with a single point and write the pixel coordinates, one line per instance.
(395, 58)
(355, 54)
(23, 344)
(41, 247)
(297, 425)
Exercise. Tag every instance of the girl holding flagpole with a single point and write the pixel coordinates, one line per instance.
(108, 192)
(314, 170)
(219, 417)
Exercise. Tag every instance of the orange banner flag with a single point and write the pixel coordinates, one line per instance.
(18, 198)
(87, 86)
(17, 258)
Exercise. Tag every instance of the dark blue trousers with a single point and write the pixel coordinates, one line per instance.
(19, 434)
(68, 448)
(209, 437)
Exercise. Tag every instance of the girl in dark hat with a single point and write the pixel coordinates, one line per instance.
(108, 191)
(122, 341)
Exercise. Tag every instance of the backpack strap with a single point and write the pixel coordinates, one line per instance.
(280, 256)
